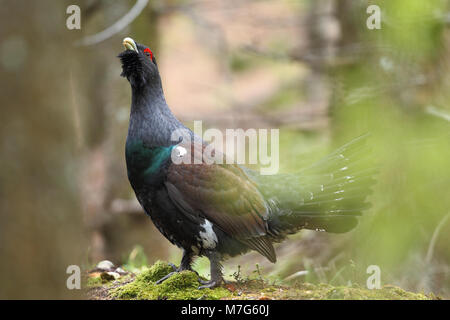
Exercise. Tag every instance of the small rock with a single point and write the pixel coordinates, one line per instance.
(105, 265)
(114, 274)
(120, 271)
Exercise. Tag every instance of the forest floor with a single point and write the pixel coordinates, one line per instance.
(184, 286)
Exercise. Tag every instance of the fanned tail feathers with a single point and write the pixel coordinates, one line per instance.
(328, 195)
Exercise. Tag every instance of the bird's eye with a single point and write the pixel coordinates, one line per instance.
(148, 53)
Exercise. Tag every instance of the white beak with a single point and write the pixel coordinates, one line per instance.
(129, 44)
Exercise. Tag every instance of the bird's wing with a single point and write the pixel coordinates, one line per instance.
(223, 194)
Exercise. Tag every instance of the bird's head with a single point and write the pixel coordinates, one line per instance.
(139, 64)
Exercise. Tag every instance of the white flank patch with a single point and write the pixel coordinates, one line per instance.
(208, 237)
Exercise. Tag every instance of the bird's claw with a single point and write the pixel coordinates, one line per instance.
(174, 267)
(166, 277)
(174, 272)
(211, 284)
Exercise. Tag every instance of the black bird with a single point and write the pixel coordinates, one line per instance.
(223, 210)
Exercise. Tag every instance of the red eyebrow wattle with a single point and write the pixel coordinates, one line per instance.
(147, 50)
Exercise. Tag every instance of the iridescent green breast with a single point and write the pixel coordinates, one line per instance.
(143, 161)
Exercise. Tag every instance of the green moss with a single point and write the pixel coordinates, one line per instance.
(184, 286)
(155, 272)
(328, 292)
(360, 294)
(308, 291)
(135, 290)
(93, 282)
(181, 286)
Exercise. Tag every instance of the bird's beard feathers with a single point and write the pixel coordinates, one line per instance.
(133, 68)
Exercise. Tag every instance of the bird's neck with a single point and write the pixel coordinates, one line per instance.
(151, 120)
(149, 144)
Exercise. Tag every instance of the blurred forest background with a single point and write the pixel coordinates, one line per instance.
(310, 68)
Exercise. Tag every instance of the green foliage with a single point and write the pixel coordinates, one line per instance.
(240, 62)
(136, 259)
(285, 98)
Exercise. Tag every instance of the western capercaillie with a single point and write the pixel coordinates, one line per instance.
(223, 210)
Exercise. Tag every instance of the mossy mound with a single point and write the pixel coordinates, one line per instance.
(385, 293)
(184, 286)
(93, 282)
(308, 291)
(181, 286)
(155, 272)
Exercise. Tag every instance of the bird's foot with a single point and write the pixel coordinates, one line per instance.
(166, 277)
(211, 284)
(174, 267)
(174, 272)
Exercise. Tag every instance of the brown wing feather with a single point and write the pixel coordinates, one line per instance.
(225, 196)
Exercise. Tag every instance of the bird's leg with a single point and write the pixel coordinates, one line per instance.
(216, 272)
(185, 264)
(186, 261)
